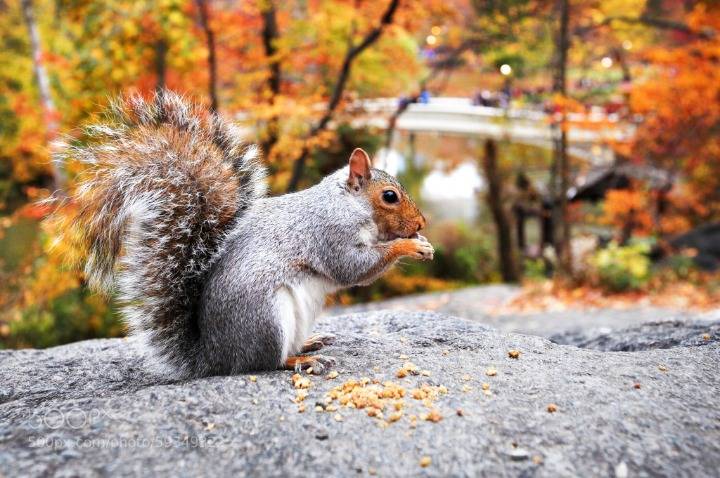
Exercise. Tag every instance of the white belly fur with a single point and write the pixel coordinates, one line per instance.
(298, 305)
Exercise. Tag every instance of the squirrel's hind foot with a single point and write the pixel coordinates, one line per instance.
(319, 363)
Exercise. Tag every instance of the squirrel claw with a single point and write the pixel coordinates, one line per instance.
(424, 250)
(319, 363)
(318, 341)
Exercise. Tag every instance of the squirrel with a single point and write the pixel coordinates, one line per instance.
(213, 274)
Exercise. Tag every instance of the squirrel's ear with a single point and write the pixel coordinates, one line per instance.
(359, 168)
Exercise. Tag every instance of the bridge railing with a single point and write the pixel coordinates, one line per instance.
(445, 105)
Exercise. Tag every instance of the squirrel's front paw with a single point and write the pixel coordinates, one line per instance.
(422, 249)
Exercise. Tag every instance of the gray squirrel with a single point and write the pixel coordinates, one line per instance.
(216, 277)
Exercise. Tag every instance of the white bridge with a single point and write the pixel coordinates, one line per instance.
(589, 135)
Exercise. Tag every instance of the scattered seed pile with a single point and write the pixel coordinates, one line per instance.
(390, 401)
(386, 401)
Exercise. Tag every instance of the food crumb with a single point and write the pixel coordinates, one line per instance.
(374, 412)
(253, 378)
(485, 386)
(662, 368)
(301, 395)
(301, 408)
(491, 372)
(407, 368)
(425, 461)
(466, 377)
(300, 382)
(333, 374)
(403, 357)
(459, 412)
(706, 336)
(433, 416)
(552, 408)
(466, 388)
(515, 354)
(636, 385)
(413, 421)
(338, 417)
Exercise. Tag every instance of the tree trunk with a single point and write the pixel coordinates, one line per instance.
(50, 113)
(270, 34)
(503, 223)
(520, 217)
(161, 49)
(212, 58)
(561, 217)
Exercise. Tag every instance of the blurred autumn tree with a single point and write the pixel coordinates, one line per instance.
(668, 53)
(290, 72)
(286, 70)
(680, 129)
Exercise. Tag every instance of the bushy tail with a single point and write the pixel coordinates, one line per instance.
(166, 182)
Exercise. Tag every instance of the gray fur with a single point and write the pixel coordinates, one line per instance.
(281, 240)
(174, 213)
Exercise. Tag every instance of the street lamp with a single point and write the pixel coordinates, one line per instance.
(505, 69)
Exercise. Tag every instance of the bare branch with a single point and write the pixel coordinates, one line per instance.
(353, 52)
(448, 60)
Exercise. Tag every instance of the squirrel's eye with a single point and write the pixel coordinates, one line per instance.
(390, 196)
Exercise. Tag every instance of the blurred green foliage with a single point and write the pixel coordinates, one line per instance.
(76, 315)
(623, 268)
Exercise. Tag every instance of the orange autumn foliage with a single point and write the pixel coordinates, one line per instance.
(624, 207)
(679, 103)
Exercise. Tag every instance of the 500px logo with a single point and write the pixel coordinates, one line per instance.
(74, 418)
(171, 441)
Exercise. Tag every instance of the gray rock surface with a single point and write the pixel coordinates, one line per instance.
(650, 335)
(90, 409)
(481, 304)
